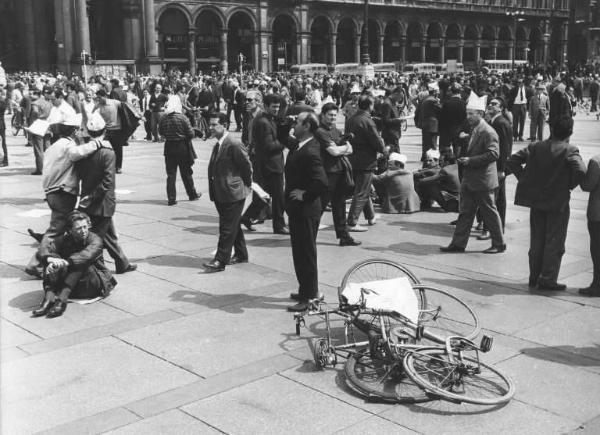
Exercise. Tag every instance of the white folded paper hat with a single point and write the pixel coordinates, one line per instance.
(476, 102)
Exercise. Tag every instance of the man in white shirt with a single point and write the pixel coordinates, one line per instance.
(520, 101)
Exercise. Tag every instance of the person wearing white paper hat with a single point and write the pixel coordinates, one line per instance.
(60, 179)
(399, 195)
(427, 119)
(98, 201)
(479, 181)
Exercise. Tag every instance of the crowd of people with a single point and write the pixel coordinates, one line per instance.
(292, 148)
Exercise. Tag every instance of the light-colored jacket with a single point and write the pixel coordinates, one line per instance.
(59, 172)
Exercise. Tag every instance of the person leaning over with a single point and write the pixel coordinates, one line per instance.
(332, 150)
(552, 168)
(399, 188)
(73, 267)
(591, 184)
(229, 183)
(109, 110)
(178, 151)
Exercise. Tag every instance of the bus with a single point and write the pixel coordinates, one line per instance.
(384, 68)
(309, 69)
(442, 68)
(419, 68)
(499, 66)
(345, 69)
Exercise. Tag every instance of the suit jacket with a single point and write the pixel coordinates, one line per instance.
(268, 149)
(539, 104)
(505, 140)
(97, 174)
(366, 142)
(304, 170)
(480, 173)
(552, 169)
(229, 172)
(514, 92)
(560, 105)
(452, 114)
(390, 122)
(428, 114)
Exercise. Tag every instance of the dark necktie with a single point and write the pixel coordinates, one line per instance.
(520, 94)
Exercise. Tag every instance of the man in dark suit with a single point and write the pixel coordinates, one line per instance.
(229, 182)
(552, 169)
(97, 173)
(479, 180)
(594, 91)
(117, 92)
(391, 124)
(519, 98)
(427, 120)
(366, 143)
(560, 105)
(306, 182)
(503, 129)
(452, 117)
(269, 159)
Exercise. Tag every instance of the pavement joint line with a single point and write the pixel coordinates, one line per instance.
(91, 423)
(24, 329)
(549, 411)
(203, 421)
(94, 333)
(211, 386)
(135, 346)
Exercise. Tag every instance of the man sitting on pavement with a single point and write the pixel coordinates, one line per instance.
(399, 194)
(442, 187)
(73, 267)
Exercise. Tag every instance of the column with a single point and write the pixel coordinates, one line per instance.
(60, 35)
(423, 48)
(442, 50)
(150, 29)
(83, 26)
(29, 34)
(565, 43)
(192, 51)
(67, 14)
(305, 42)
(357, 48)
(495, 49)
(461, 46)
(257, 54)
(380, 53)
(333, 48)
(403, 49)
(477, 49)
(511, 49)
(265, 53)
(224, 53)
(132, 30)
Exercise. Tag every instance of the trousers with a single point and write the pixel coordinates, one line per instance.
(40, 145)
(230, 231)
(594, 230)
(104, 226)
(361, 200)
(303, 236)
(172, 162)
(519, 111)
(336, 194)
(469, 202)
(547, 245)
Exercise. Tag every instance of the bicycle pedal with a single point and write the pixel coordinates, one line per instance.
(486, 343)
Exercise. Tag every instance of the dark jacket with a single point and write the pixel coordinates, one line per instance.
(97, 174)
(366, 142)
(560, 106)
(178, 133)
(427, 115)
(452, 115)
(87, 256)
(505, 140)
(304, 171)
(391, 124)
(268, 149)
(118, 93)
(229, 172)
(552, 169)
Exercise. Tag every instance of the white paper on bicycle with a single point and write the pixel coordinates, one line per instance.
(394, 294)
(39, 127)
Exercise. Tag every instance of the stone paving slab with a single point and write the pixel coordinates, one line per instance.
(275, 405)
(82, 385)
(173, 422)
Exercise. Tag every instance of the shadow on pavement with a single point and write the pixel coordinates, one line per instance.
(198, 217)
(27, 301)
(425, 228)
(485, 288)
(407, 247)
(22, 201)
(174, 261)
(8, 171)
(235, 303)
(587, 356)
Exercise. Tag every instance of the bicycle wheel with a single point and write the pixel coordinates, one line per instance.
(404, 125)
(466, 380)
(442, 315)
(374, 270)
(378, 379)
(15, 124)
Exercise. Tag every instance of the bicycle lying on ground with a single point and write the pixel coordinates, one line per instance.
(406, 342)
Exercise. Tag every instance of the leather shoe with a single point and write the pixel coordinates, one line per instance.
(237, 260)
(58, 309)
(130, 268)
(349, 241)
(551, 286)
(43, 309)
(296, 296)
(532, 283)
(590, 291)
(282, 230)
(214, 266)
(36, 173)
(196, 197)
(37, 236)
(485, 235)
(248, 225)
(172, 202)
(33, 271)
(300, 306)
(479, 226)
(451, 248)
(495, 249)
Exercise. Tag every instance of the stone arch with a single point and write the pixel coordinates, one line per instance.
(471, 37)
(488, 38)
(435, 32)
(208, 28)
(241, 28)
(284, 36)
(504, 42)
(346, 30)
(210, 8)
(242, 10)
(374, 32)
(536, 48)
(414, 36)
(173, 33)
(393, 41)
(453, 36)
(320, 40)
(177, 6)
(332, 26)
(281, 13)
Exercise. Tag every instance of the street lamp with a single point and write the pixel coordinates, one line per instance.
(366, 69)
(515, 14)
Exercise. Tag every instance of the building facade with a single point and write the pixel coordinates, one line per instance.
(274, 34)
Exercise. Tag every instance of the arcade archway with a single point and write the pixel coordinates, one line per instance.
(240, 40)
